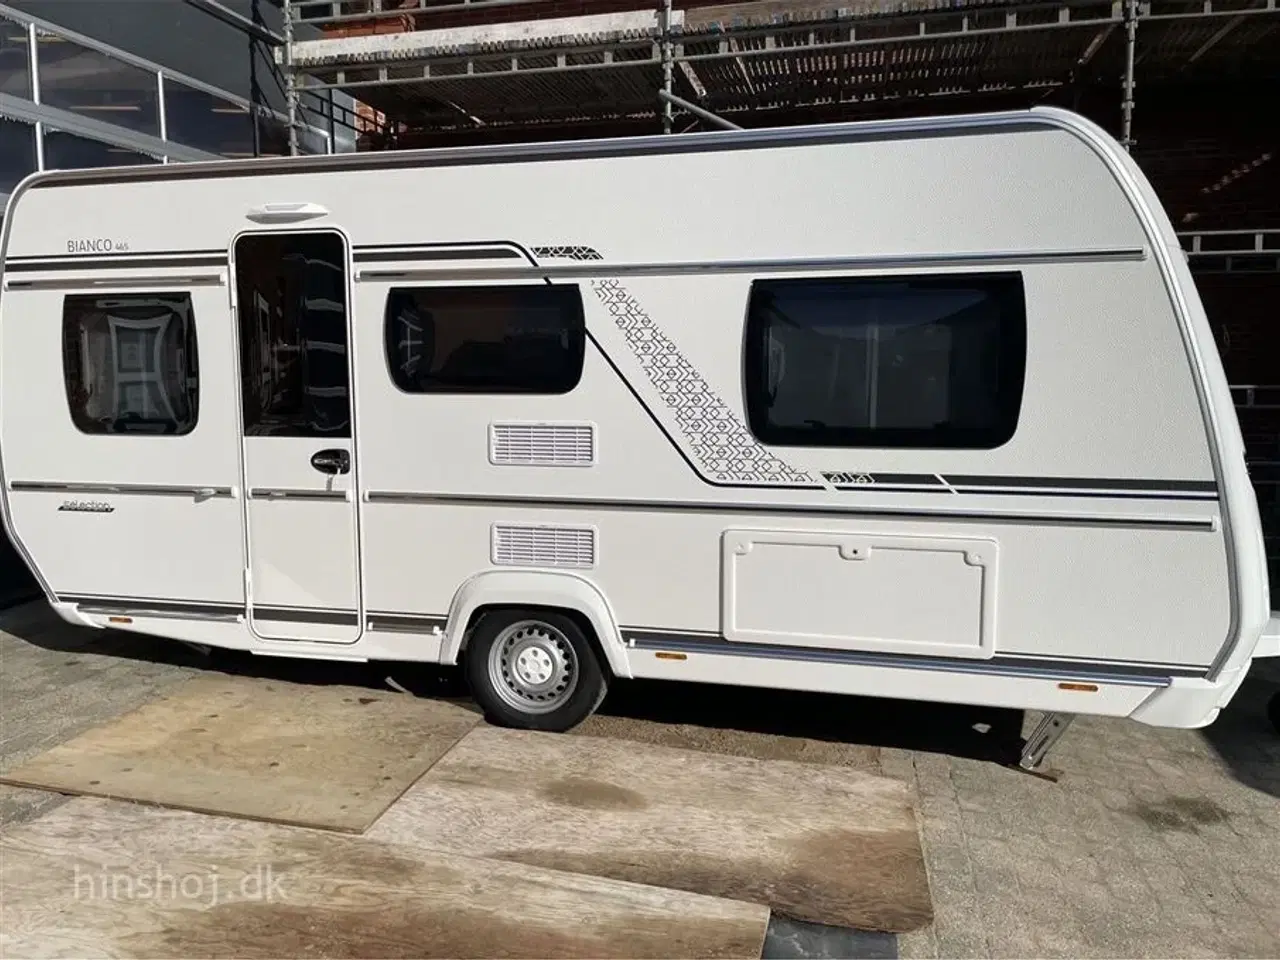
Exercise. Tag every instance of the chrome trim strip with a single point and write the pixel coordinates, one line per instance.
(593, 268)
(273, 493)
(1085, 483)
(142, 489)
(228, 612)
(1154, 494)
(100, 283)
(145, 607)
(1089, 494)
(115, 261)
(159, 614)
(204, 612)
(178, 609)
(1000, 666)
(1202, 524)
(408, 252)
(304, 615)
(1072, 486)
(405, 623)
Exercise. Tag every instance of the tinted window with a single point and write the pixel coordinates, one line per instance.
(15, 59)
(17, 153)
(97, 86)
(516, 339)
(66, 151)
(129, 362)
(292, 308)
(888, 362)
(201, 120)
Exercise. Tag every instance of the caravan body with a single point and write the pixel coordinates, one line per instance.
(924, 409)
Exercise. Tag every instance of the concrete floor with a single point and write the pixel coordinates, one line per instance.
(1155, 843)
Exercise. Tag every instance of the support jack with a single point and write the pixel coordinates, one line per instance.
(203, 649)
(1047, 733)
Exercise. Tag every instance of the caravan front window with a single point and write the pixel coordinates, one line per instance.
(932, 361)
(129, 362)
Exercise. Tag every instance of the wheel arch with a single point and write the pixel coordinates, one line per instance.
(535, 588)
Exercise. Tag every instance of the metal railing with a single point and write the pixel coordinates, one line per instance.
(160, 146)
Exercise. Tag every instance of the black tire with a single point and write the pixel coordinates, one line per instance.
(1273, 711)
(549, 632)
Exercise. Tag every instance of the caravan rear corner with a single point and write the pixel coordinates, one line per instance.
(924, 409)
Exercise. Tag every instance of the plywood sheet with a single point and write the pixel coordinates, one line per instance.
(828, 844)
(731, 741)
(101, 878)
(323, 756)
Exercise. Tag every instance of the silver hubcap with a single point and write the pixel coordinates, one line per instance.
(533, 667)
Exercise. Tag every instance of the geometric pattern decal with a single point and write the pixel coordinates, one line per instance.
(567, 252)
(720, 442)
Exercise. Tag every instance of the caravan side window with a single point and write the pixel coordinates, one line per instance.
(129, 362)
(510, 339)
(905, 361)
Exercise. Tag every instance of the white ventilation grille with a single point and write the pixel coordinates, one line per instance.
(521, 545)
(542, 444)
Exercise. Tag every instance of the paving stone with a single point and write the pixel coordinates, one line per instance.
(899, 764)
(955, 943)
(919, 945)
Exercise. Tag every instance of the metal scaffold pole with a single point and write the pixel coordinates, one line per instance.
(671, 100)
(1131, 40)
(290, 80)
(668, 68)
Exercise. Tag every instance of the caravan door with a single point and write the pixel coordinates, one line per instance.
(299, 455)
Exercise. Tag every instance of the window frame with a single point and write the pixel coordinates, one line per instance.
(191, 343)
(570, 293)
(1007, 287)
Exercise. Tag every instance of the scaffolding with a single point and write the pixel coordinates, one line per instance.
(458, 65)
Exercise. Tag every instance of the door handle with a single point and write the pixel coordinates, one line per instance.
(332, 461)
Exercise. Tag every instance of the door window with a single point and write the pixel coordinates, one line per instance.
(292, 295)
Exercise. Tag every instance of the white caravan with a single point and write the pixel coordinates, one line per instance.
(925, 409)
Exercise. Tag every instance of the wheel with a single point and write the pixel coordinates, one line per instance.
(1273, 711)
(533, 669)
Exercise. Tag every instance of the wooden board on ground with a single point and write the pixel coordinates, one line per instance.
(733, 742)
(828, 844)
(322, 756)
(100, 878)
(738, 721)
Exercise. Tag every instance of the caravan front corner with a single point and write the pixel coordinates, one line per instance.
(924, 409)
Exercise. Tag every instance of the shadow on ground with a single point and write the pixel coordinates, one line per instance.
(1244, 737)
(975, 732)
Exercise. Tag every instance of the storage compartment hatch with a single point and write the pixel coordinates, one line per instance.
(931, 596)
